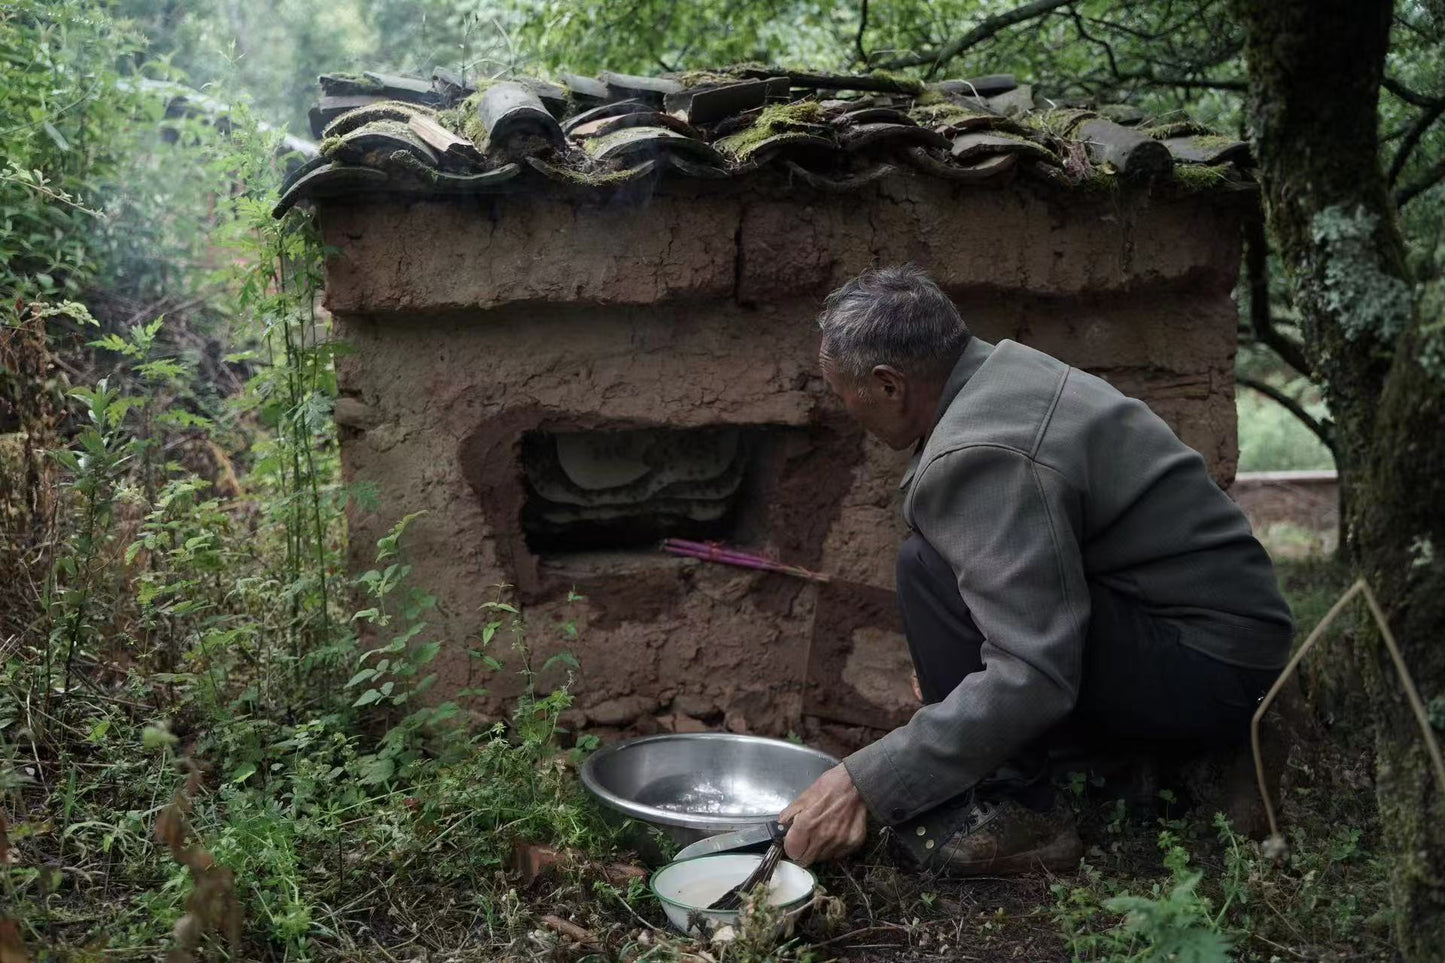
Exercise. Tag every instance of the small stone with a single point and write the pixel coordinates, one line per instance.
(694, 704)
(620, 711)
(681, 722)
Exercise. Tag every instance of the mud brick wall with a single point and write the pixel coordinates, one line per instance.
(472, 321)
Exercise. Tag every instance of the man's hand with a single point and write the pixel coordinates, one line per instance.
(827, 821)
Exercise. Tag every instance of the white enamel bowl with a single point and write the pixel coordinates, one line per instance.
(687, 886)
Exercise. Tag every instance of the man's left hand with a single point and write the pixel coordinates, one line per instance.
(827, 821)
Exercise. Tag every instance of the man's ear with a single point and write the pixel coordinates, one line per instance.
(890, 382)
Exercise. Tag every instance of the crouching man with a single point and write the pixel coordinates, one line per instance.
(1071, 565)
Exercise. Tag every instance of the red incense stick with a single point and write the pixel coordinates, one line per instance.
(714, 552)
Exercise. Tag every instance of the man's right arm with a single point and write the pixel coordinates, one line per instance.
(1006, 527)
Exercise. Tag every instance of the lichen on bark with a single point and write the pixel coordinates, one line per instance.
(1355, 287)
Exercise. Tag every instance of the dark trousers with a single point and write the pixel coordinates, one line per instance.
(1141, 687)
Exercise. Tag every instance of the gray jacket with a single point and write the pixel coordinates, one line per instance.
(1036, 479)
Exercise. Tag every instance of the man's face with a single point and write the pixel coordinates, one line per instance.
(879, 401)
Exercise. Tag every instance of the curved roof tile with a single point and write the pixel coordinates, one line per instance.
(385, 133)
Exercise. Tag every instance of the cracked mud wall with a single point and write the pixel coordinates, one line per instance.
(470, 322)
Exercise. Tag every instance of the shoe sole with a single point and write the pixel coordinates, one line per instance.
(1059, 855)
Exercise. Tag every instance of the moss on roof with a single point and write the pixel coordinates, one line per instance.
(772, 121)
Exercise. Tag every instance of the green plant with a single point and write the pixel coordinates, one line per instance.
(77, 583)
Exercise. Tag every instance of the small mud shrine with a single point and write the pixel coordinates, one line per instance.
(580, 320)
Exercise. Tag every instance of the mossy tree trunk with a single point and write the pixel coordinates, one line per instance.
(1315, 68)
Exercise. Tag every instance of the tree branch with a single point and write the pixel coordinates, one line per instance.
(1256, 266)
(986, 28)
(1407, 95)
(1323, 430)
(858, 40)
(1429, 179)
(1085, 35)
(1187, 83)
(1412, 138)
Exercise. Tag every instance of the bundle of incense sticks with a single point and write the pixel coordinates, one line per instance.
(713, 552)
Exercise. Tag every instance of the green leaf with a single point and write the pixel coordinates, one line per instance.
(367, 698)
(376, 769)
(243, 772)
(561, 658)
(56, 136)
(387, 545)
(157, 736)
(364, 675)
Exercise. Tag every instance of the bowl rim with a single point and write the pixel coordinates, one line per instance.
(791, 904)
(666, 817)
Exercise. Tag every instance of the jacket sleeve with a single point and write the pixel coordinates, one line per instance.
(1006, 525)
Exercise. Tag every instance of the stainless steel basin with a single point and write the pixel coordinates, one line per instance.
(698, 784)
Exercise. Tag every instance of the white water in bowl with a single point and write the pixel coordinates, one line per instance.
(710, 799)
(700, 893)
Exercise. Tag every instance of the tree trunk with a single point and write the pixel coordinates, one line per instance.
(1315, 68)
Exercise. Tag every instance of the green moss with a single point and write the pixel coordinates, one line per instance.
(1102, 179)
(469, 121)
(1181, 128)
(358, 82)
(774, 120)
(946, 112)
(1200, 177)
(369, 113)
(347, 148)
(1056, 121)
(705, 78)
(403, 160)
(910, 85)
(597, 177)
(593, 146)
(1213, 141)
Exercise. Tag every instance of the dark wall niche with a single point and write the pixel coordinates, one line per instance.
(575, 497)
(623, 489)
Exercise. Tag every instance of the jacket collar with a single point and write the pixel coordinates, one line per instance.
(975, 353)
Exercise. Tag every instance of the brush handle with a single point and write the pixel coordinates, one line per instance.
(760, 876)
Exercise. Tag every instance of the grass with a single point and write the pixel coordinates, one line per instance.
(331, 862)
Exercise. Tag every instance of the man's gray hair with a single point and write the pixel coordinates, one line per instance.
(895, 316)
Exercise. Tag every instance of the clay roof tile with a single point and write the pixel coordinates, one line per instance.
(817, 132)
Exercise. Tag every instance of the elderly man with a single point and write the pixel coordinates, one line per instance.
(1070, 561)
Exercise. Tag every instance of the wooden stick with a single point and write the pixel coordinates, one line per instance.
(570, 930)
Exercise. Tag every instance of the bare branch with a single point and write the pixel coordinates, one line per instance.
(1407, 95)
(858, 40)
(1187, 83)
(1323, 430)
(985, 29)
(1261, 320)
(1412, 138)
(1098, 42)
(1429, 179)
